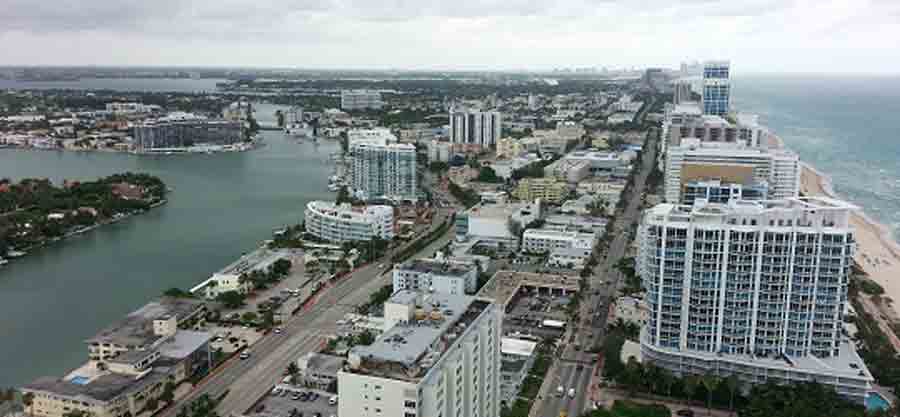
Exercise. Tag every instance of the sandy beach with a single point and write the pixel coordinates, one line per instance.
(877, 252)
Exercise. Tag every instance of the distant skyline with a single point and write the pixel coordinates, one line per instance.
(797, 36)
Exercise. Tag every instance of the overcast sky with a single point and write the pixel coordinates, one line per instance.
(860, 36)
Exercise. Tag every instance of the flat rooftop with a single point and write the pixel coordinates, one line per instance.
(136, 329)
(808, 205)
(505, 284)
(104, 387)
(258, 259)
(432, 266)
(517, 347)
(408, 350)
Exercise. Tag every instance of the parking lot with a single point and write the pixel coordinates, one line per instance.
(295, 401)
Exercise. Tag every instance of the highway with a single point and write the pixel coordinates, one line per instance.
(589, 332)
(246, 381)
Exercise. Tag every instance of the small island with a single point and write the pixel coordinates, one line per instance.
(35, 212)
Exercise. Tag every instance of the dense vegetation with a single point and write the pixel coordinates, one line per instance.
(34, 211)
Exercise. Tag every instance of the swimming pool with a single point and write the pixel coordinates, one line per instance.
(876, 402)
(80, 380)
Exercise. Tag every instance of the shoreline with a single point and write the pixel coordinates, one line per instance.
(75, 233)
(878, 253)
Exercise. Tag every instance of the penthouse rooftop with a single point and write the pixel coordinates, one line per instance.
(409, 349)
(433, 266)
(136, 329)
(803, 211)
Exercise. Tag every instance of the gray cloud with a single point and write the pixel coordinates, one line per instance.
(443, 33)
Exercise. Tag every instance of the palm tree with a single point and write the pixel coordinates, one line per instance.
(710, 382)
(666, 380)
(733, 385)
(690, 387)
(651, 377)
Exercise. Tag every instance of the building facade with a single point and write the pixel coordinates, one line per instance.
(696, 162)
(475, 127)
(545, 241)
(441, 358)
(360, 99)
(546, 189)
(384, 171)
(438, 276)
(343, 223)
(167, 135)
(716, 97)
(439, 151)
(754, 289)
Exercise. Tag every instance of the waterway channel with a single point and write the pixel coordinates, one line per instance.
(221, 205)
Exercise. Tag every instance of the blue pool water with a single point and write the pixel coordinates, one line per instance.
(876, 402)
(80, 380)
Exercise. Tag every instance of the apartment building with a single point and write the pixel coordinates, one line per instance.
(384, 171)
(441, 358)
(509, 148)
(439, 276)
(360, 100)
(129, 363)
(344, 223)
(439, 151)
(716, 96)
(491, 223)
(544, 241)
(756, 289)
(376, 136)
(689, 165)
(546, 189)
(481, 128)
(171, 134)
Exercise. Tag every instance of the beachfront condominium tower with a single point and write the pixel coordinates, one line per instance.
(755, 289)
(721, 171)
(480, 128)
(716, 97)
(440, 357)
(384, 171)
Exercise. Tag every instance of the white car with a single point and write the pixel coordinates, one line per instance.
(278, 330)
(571, 392)
(245, 355)
(560, 391)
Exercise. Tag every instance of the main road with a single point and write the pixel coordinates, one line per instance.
(244, 382)
(575, 367)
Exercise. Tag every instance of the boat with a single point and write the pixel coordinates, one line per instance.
(3, 262)
(15, 254)
(299, 130)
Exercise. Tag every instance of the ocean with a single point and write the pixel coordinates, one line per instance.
(845, 126)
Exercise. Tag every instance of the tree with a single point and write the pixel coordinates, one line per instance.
(343, 196)
(231, 299)
(168, 394)
(281, 267)
(487, 174)
(152, 404)
(293, 369)
(177, 293)
(690, 385)
(733, 385)
(710, 382)
(249, 317)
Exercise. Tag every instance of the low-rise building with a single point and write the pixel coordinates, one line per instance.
(509, 148)
(229, 278)
(317, 370)
(517, 357)
(544, 241)
(344, 223)
(631, 310)
(545, 189)
(571, 258)
(492, 223)
(439, 276)
(130, 364)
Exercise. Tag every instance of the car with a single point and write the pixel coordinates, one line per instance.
(333, 400)
(579, 367)
(685, 413)
(571, 392)
(245, 355)
(315, 396)
(296, 396)
(560, 391)
(278, 330)
(276, 391)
